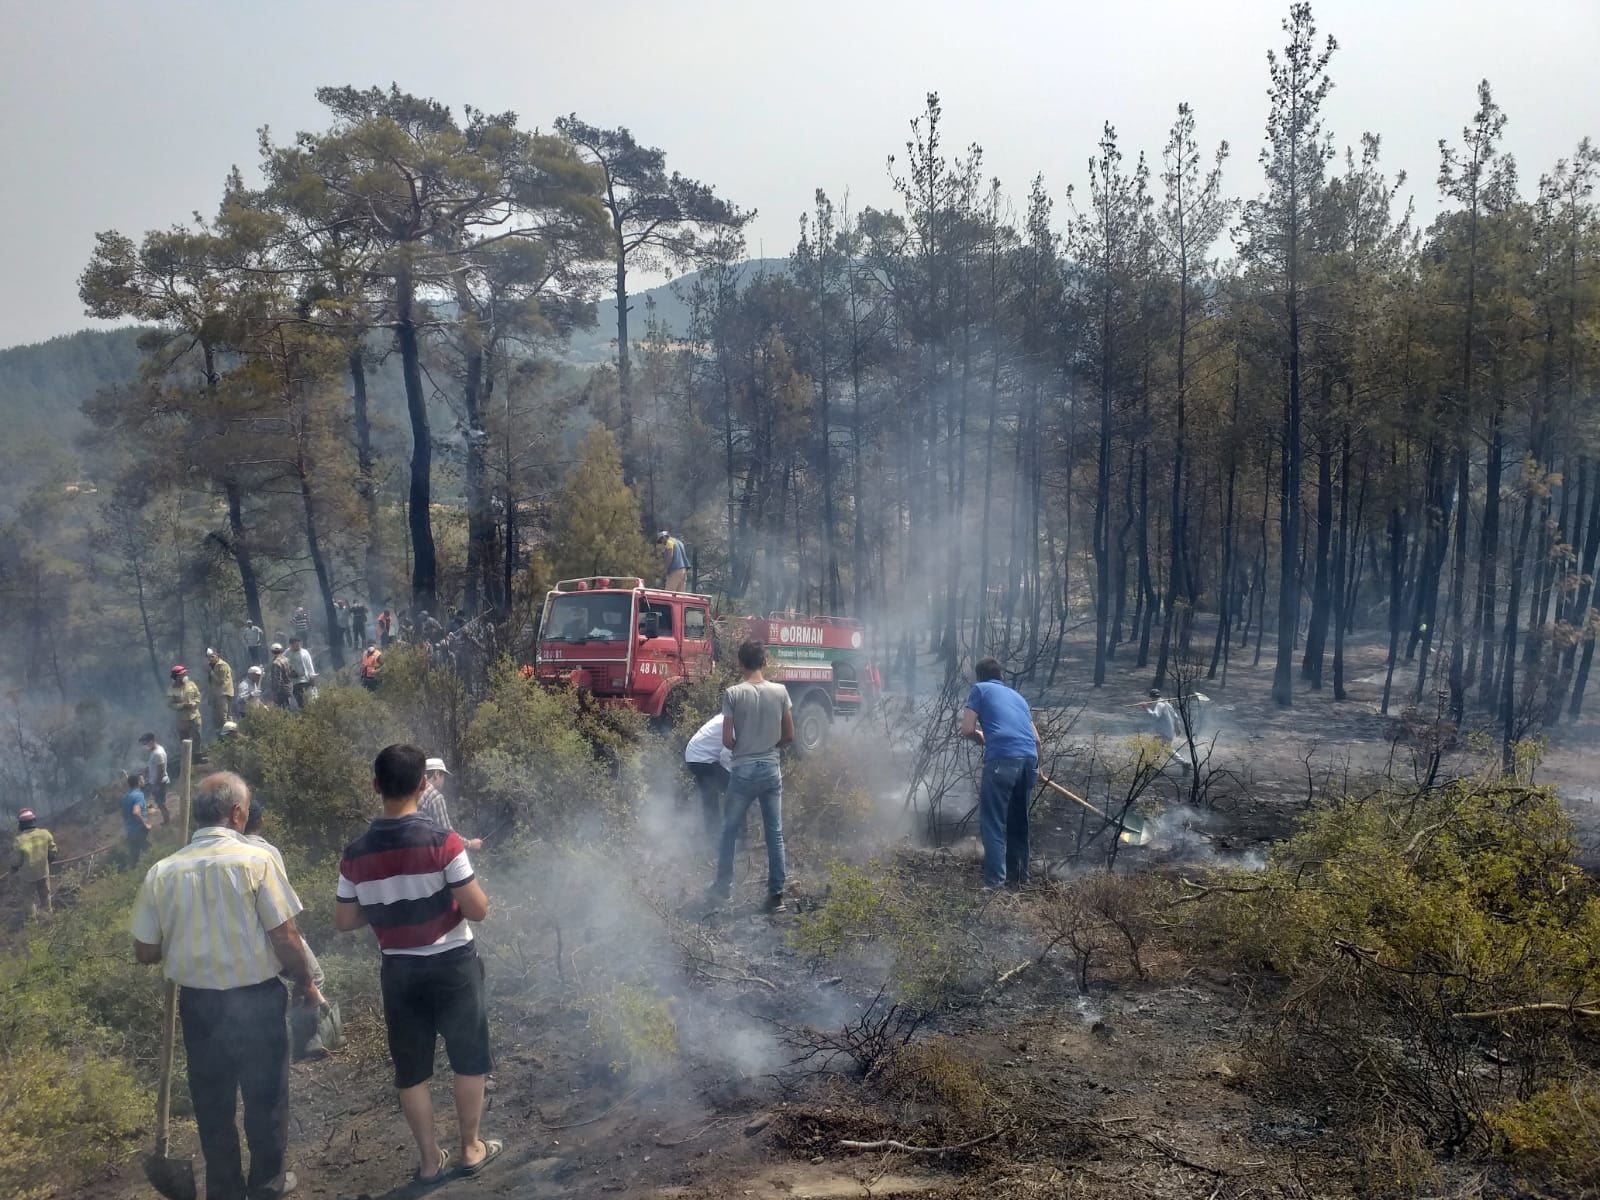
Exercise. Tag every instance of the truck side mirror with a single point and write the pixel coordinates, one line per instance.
(650, 625)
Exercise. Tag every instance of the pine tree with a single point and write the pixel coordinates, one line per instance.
(596, 528)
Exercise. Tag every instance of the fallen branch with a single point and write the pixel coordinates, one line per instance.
(1169, 1150)
(1575, 1009)
(697, 1133)
(904, 1148)
(587, 1120)
(1201, 891)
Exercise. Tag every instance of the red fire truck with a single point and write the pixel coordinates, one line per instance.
(626, 643)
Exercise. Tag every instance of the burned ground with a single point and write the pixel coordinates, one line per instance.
(650, 1046)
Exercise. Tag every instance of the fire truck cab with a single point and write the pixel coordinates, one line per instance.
(626, 643)
(623, 642)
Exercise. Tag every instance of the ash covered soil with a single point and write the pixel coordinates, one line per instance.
(1137, 1087)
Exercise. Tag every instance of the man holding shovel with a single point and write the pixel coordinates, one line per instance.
(219, 914)
(999, 718)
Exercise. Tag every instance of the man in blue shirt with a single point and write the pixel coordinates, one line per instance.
(135, 821)
(999, 718)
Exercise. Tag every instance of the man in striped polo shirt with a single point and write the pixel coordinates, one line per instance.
(412, 882)
(219, 914)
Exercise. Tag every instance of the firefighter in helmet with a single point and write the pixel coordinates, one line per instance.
(183, 698)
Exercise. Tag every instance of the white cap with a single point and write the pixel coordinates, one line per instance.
(253, 671)
(230, 727)
(209, 650)
(435, 764)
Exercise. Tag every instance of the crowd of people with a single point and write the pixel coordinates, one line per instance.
(219, 915)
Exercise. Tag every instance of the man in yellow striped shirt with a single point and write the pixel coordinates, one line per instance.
(219, 914)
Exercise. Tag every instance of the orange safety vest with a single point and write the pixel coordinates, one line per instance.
(371, 662)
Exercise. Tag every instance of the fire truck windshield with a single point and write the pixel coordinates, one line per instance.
(589, 617)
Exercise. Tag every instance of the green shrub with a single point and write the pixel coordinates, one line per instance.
(538, 754)
(313, 769)
(633, 1027)
(940, 1072)
(1555, 1131)
(77, 1017)
(1414, 930)
(927, 930)
(849, 915)
(64, 1117)
(827, 797)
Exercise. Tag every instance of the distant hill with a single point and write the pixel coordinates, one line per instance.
(43, 385)
(599, 344)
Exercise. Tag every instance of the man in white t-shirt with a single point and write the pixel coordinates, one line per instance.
(305, 672)
(709, 761)
(253, 640)
(156, 778)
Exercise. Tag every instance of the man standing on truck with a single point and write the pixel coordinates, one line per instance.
(757, 721)
(1010, 742)
(674, 562)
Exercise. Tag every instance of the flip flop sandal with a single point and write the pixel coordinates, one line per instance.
(419, 1180)
(494, 1146)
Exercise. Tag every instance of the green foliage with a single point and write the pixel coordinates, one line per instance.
(924, 928)
(695, 701)
(64, 1117)
(1411, 928)
(849, 915)
(77, 1015)
(940, 1072)
(1555, 1131)
(828, 798)
(597, 529)
(538, 754)
(313, 769)
(632, 1025)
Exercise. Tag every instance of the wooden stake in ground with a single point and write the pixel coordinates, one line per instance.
(172, 1177)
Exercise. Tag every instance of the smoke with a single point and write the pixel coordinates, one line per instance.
(1190, 836)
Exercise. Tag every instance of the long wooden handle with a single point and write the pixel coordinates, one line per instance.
(169, 1037)
(1073, 796)
(169, 1016)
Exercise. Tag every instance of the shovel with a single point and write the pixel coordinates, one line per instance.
(172, 1177)
(1131, 830)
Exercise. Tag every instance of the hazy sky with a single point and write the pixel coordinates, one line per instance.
(127, 114)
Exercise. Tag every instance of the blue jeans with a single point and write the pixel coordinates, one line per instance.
(748, 783)
(1003, 800)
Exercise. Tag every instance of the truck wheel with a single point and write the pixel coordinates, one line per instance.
(811, 721)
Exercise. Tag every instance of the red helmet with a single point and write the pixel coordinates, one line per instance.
(179, 671)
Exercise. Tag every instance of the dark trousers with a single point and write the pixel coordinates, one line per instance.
(238, 1043)
(712, 781)
(1003, 801)
(255, 656)
(157, 795)
(134, 844)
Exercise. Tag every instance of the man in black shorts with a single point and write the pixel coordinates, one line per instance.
(411, 881)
